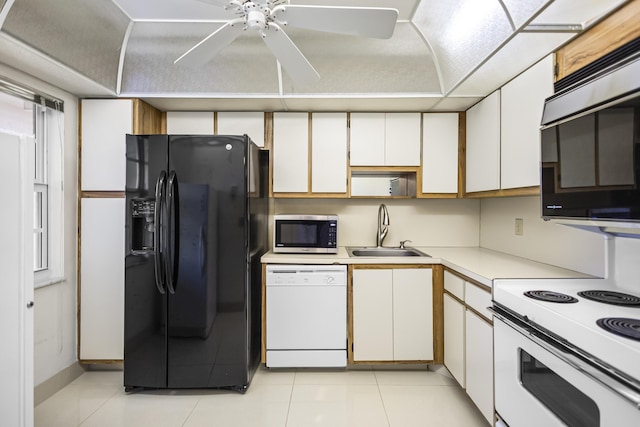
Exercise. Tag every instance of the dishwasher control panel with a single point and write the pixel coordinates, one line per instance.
(310, 275)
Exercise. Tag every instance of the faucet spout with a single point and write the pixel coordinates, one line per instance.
(383, 224)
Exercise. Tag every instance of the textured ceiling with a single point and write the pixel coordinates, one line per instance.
(443, 55)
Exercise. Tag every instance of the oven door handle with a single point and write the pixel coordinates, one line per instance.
(583, 367)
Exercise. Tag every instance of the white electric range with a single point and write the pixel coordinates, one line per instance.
(555, 363)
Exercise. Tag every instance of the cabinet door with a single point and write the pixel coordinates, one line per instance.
(402, 139)
(479, 363)
(521, 109)
(104, 124)
(243, 122)
(290, 152)
(367, 139)
(412, 314)
(483, 145)
(454, 352)
(102, 279)
(440, 153)
(372, 315)
(190, 122)
(329, 153)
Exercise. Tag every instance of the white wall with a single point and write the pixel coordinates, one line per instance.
(426, 222)
(624, 265)
(541, 241)
(55, 305)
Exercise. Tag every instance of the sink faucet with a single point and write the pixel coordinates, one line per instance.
(383, 224)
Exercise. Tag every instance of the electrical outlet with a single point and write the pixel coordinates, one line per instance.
(519, 226)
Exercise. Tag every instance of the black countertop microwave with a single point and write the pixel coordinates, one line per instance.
(305, 234)
(590, 147)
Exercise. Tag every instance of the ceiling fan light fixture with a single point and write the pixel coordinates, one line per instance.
(256, 20)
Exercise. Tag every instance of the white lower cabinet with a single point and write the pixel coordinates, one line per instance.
(102, 279)
(454, 338)
(468, 340)
(372, 315)
(392, 314)
(479, 363)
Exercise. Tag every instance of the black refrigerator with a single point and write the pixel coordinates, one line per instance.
(196, 227)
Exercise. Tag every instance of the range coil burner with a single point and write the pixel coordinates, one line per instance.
(622, 326)
(550, 296)
(611, 297)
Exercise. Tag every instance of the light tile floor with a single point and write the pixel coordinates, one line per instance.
(278, 398)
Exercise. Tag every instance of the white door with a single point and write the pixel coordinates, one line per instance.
(329, 153)
(102, 272)
(483, 144)
(373, 315)
(402, 139)
(16, 276)
(290, 152)
(412, 314)
(367, 139)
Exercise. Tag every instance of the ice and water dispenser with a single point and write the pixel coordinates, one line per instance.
(142, 224)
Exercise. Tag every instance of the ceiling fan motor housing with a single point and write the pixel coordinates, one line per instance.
(256, 19)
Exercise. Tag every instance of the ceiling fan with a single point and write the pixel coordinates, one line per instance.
(269, 17)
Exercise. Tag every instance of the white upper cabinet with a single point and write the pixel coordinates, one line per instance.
(440, 152)
(521, 112)
(385, 139)
(329, 153)
(402, 139)
(503, 132)
(367, 139)
(243, 122)
(483, 145)
(190, 122)
(104, 124)
(290, 152)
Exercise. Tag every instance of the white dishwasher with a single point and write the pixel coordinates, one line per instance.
(306, 316)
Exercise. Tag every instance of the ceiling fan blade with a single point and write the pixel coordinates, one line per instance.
(289, 56)
(357, 21)
(209, 47)
(221, 3)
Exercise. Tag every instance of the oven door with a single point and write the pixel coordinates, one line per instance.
(536, 385)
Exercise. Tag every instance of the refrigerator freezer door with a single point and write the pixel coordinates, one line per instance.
(145, 306)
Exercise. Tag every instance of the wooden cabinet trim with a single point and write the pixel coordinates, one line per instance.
(438, 314)
(620, 27)
(472, 282)
(263, 332)
(468, 279)
(512, 192)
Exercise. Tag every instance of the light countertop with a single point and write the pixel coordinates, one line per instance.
(480, 264)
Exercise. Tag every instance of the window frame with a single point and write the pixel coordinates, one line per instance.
(41, 204)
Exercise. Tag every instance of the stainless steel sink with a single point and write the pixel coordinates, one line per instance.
(373, 251)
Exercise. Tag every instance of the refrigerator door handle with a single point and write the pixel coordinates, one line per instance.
(173, 232)
(158, 239)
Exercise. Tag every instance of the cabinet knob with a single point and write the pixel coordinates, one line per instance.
(30, 304)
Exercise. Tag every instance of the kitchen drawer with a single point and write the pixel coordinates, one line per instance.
(454, 284)
(478, 299)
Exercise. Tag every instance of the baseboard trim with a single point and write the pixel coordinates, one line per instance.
(48, 388)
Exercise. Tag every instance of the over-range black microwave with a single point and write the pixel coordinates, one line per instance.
(305, 233)
(590, 147)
